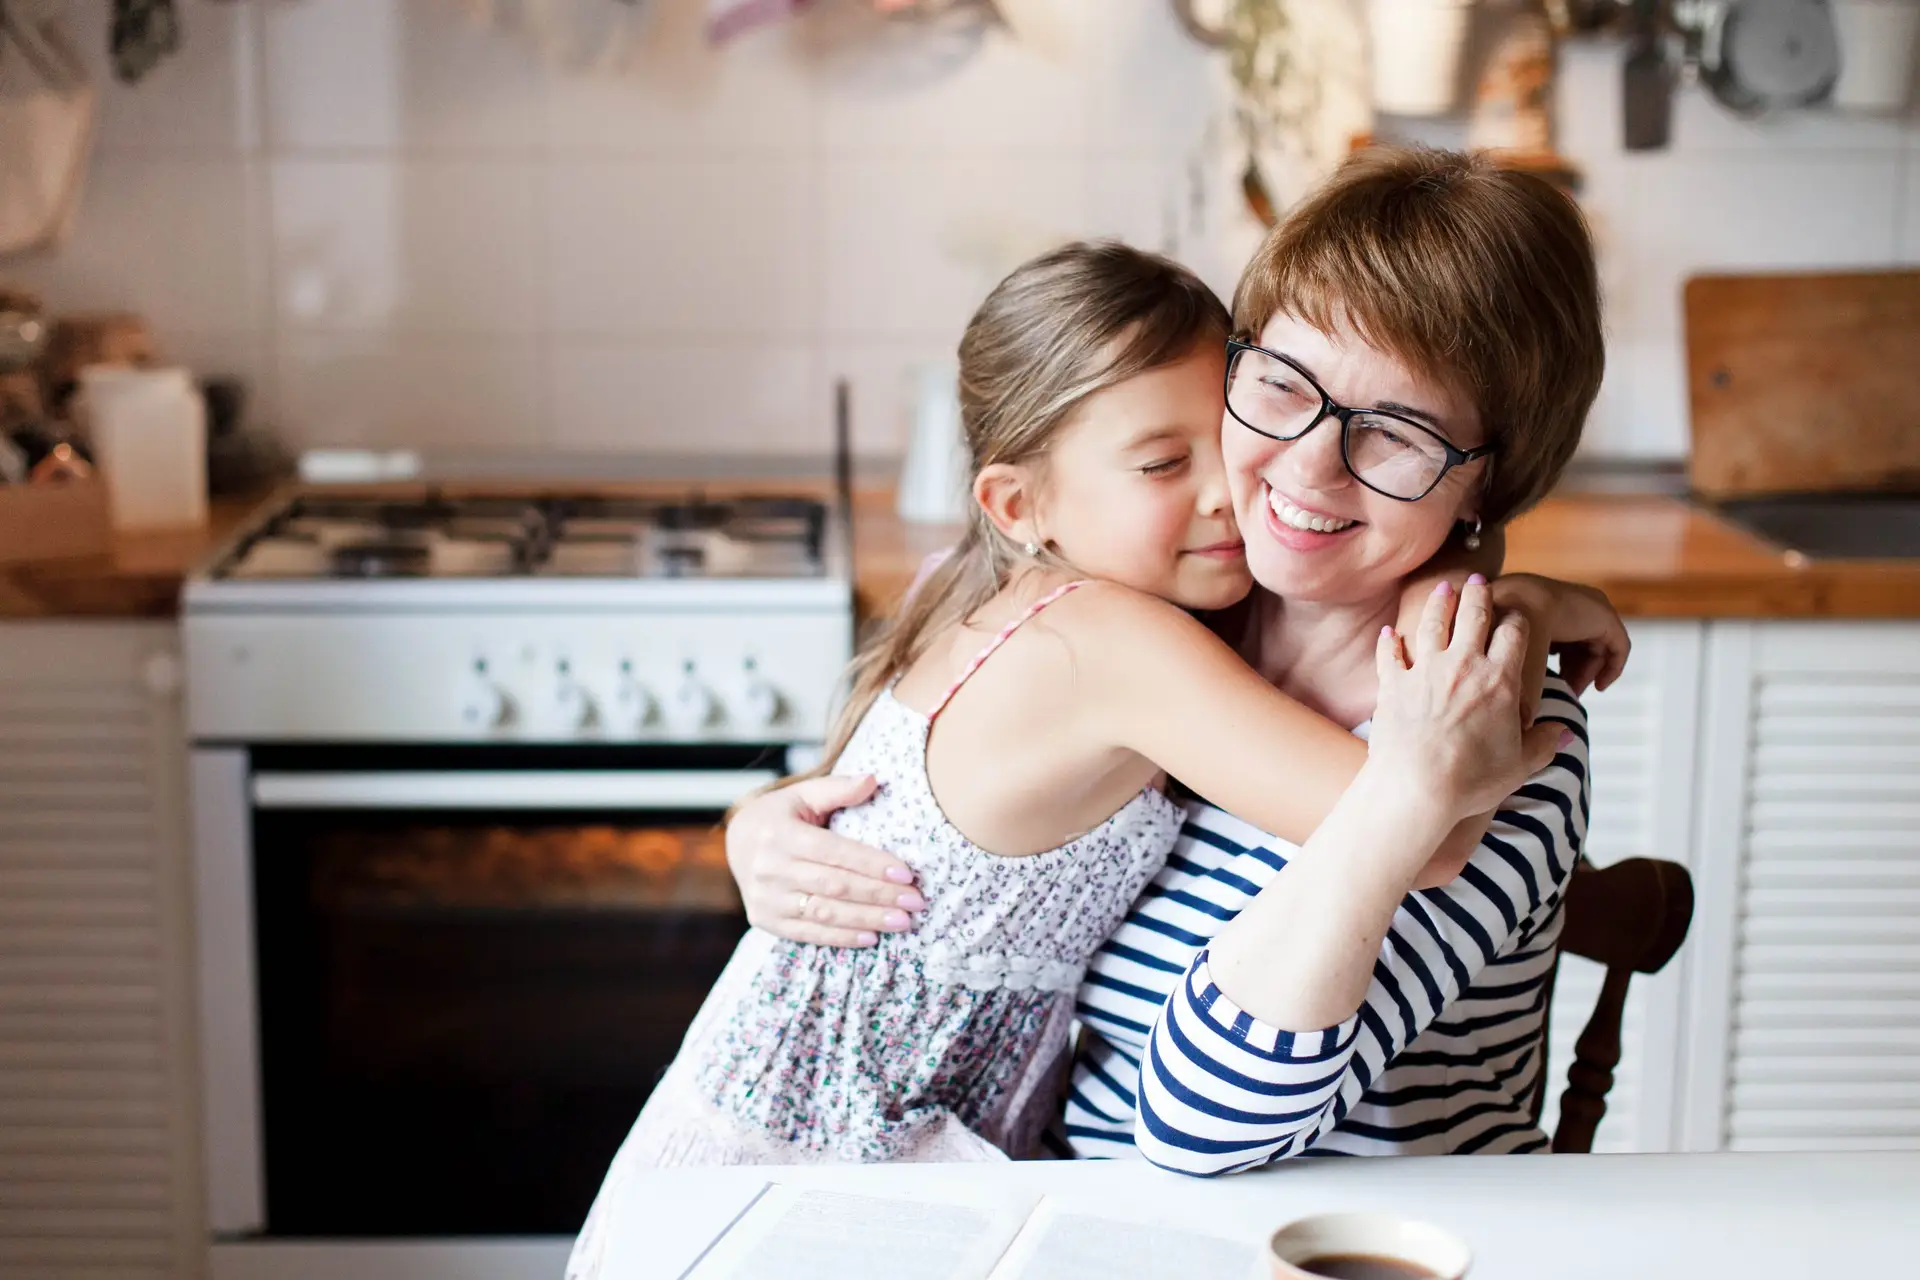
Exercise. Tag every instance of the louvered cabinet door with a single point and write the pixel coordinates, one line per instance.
(1811, 824)
(96, 1119)
(1643, 735)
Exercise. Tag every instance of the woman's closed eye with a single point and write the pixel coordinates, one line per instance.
(1281, 387)
(1390, 434)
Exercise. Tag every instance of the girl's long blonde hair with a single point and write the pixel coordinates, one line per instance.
(1065, 325)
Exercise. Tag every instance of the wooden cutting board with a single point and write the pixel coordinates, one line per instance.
(1804, 383)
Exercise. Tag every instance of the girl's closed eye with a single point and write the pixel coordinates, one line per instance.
(1166, 466)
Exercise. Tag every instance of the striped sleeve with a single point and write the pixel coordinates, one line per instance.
(1219, 1091)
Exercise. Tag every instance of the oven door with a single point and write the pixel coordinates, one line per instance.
(469, 966)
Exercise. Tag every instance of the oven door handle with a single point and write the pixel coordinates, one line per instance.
(509, 789)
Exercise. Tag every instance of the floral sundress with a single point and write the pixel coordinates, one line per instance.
(946, 1043)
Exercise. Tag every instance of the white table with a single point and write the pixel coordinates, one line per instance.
(1688, 1217)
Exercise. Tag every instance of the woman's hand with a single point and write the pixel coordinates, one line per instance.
(802, 882)
(1449, 722)
(1577, 622)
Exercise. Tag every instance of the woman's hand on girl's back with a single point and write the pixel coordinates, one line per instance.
(1451, 700)
(802, 882)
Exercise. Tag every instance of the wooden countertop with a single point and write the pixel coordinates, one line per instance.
(140, 578)
(1656, 557)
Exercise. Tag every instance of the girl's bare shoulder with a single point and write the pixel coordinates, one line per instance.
(1109, 612)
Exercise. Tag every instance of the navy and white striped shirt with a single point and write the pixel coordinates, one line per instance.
(1443, 1055)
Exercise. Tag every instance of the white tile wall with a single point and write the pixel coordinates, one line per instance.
(169, 236)
(719, 395)
(425, 245)
(1910, 207)
(372, 386)
(396, 75)
(682, 246)
(405, 228)
(912, 243)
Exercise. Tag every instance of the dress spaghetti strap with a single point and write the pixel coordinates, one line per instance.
(974, 664)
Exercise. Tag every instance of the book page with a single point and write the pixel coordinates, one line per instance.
(795, 1234)
(1064, 1243)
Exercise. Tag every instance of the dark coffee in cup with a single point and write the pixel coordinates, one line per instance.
(1365, 1246)
(1364, 1266)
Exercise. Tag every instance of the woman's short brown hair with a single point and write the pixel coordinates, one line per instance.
(1478, 277)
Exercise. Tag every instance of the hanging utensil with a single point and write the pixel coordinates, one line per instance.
(144, 32)
(1646, 82)
(1770, 54)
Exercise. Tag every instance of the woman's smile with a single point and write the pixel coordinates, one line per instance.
(1299, 527)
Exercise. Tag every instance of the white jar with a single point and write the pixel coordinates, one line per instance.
(1417, 50)
(934, 480)
(1877, 39)
(149, 433)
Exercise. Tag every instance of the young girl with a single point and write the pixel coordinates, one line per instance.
(1020, 716)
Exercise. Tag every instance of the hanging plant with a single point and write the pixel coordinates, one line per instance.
(1278, 94)
(1300, 94)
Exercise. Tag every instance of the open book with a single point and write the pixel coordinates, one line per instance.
(793, 1233)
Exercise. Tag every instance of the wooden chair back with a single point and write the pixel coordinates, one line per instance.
(1631, 917)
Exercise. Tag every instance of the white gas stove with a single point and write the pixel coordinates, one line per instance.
(556, 619)
(459, 766)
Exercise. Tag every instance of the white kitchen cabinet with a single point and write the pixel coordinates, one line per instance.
(1806, 944)
(97, 1121)
(1643, 742)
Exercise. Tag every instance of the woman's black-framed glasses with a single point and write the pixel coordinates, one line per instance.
(1392, 455)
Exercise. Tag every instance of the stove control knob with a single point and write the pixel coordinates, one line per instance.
(573, 702)
(690, 706)
(487, 706)
(756, 703)
(633, 703)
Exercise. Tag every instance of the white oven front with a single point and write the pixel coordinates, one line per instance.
(438, 981)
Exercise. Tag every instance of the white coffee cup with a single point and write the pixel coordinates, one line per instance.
(1436, 1253)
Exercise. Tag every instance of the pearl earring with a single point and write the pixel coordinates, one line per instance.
(1473, 536)
(1032, 549)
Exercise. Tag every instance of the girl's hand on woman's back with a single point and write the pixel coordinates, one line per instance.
(1451, 702)
(802, 882)
(1577, 622)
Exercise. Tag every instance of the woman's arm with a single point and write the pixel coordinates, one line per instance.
(1220, 1089)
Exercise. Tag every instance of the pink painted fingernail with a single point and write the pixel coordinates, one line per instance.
(867, 939)
(896, 921)
(1386, 631)
(899, 875)
(912, 901)
(1443, 588)
(1566, 736)
(1476, 579)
